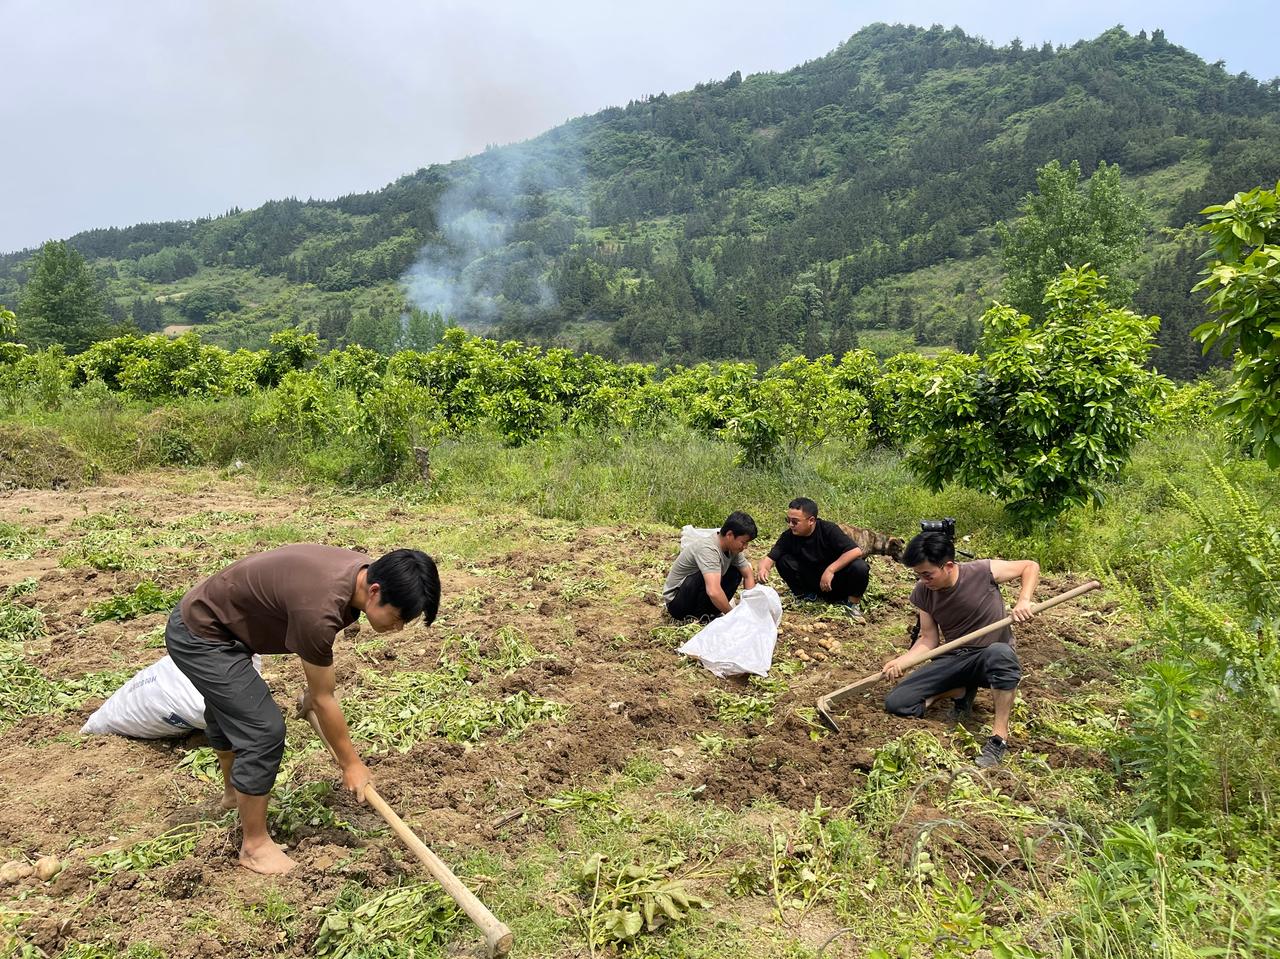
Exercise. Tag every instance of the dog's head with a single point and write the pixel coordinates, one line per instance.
(894, 550)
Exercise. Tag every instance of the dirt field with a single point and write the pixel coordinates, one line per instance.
(641, 724)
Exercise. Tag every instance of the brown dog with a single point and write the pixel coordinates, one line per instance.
(876, 544)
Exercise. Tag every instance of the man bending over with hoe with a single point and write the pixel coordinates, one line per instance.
(818, 560)
(707, 572)
(954, 599)
(289, 600)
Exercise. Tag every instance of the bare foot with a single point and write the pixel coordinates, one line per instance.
(228, 800)
(268, 859)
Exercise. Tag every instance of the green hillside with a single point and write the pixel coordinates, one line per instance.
(849, 201)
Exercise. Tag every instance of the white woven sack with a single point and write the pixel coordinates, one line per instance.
(157, 703)
(742, 640)
(690, 533)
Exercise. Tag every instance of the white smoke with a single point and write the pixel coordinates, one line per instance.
(487, 258)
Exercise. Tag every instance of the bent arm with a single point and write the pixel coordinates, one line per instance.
(844, 559)
(927, 640)
(1026, 570)
(715, 591)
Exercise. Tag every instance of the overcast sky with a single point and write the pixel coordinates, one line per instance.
(122, 111)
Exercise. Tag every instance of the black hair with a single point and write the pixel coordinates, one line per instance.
(804, 505)
(410, 582)
(934, 547)
(740, 523)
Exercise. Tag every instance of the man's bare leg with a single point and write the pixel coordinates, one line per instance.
(258, 851)
(957, 693)
(1004, 708)
(225, 760)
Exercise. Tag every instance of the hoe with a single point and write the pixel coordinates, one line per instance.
(831, 700)
(498, 938)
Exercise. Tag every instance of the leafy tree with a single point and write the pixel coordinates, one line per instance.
(8, 324)
(1065, 225)
(1055, 408)
(1244, 290)
(207, 301)
(62, 301)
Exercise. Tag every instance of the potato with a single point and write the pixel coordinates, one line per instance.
(47, 867)
(12, 872)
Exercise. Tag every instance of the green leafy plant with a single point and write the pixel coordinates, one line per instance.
(296, 807)
(626, 901)
(146, 597)
(19, 622)
(419, 705)
(731, 708)
(1243, 285)
(19, 542)
(405, 920)
(162, 850)
(1055, 409)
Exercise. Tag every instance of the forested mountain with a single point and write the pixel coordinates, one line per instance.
(848, 201)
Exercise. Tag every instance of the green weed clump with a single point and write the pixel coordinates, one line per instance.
(405, 708)
(623, 901)
(19, 622)
(162, 850)
(412, 920)
(297, 807)
(19, 542)
(146, 597)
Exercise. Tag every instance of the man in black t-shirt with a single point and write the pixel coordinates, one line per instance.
(818, 560)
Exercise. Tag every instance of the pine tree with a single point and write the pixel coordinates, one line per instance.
(62, 301)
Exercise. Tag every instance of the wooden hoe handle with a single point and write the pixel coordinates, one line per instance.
(496, 934)
(834, 698)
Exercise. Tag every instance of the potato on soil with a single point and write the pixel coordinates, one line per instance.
(47, 867)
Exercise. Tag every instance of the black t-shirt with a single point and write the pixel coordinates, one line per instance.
(827, 543)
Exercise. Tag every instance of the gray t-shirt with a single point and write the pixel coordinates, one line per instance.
(703, 555)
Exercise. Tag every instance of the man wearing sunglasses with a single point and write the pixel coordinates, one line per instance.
(818, 561)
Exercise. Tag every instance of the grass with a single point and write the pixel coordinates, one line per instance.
(396, 711)
(886, 866)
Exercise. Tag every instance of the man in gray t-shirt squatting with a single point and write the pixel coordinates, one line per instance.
(707, 572)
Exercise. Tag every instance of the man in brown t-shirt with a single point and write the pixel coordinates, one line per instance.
(294, 599)
(954, 599)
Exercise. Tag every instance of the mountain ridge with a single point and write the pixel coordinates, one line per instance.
(796, 210)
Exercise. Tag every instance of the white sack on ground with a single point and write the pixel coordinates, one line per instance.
(742, 640)
(690, 533)
(157, 703)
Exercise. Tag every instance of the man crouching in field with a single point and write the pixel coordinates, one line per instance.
(289, 600)
(957, 598)
(707, 572)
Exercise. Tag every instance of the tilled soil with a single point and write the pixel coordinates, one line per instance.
(586, 598)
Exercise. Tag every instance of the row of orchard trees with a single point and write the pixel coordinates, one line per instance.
(1049, 412)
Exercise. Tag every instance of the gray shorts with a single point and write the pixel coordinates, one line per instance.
(240, 715)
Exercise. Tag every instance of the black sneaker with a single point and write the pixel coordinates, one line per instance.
(993, 751)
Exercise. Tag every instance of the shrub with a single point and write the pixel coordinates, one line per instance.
(1055, 408)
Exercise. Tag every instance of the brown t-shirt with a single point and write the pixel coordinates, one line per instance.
(293, 599)
(973, 602)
